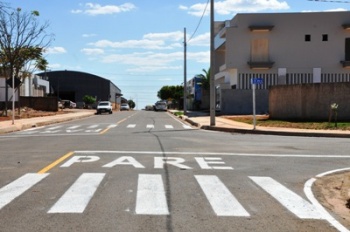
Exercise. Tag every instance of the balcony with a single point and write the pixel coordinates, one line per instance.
(260, 65)
(345, 63)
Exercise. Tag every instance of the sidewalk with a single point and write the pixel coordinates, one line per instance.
(22, 124)
(202, 120)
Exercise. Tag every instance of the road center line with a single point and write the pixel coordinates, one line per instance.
(55, 163)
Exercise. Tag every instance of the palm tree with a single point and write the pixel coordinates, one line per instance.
(205, 79)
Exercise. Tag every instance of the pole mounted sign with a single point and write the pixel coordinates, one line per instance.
(255, 81)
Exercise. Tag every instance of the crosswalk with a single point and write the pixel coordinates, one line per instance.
(151, 196)
(94, 129)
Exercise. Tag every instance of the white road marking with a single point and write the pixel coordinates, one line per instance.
(220, 198)
(131, 126)
(78, 196)
(54, 128)
(11, 191)
(49, 131)
(93, 126)
(150, 126)
(73, 127)
(73, 131)
(186, 126)
(151, 197)
(169, 127)
(290, 200)
(309, 194)
(214, 154)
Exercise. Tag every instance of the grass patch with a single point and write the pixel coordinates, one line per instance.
(265, 121)
(178, 113)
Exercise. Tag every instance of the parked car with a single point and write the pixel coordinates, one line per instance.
(124, 106)
(104, 107)
(161, 106)
(149, 107)
(68, 104)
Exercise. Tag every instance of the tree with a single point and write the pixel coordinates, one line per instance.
(131, 104)
(171, 92)
(87, 99)
(205, 79)
(22, 39)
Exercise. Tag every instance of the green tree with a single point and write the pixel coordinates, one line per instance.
(22, 39)
(87, 99)
(171, 92)
(205, 79)
(131, 104)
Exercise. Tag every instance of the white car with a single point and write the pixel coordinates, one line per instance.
(104, 107)
(124, 106)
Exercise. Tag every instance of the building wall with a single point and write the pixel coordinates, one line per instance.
(309, 101)
(286, 41)
(74, 86)
(240, 102)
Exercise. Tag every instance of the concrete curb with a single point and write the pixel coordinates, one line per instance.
(264, 132)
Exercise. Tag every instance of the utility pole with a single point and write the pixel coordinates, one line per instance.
(185, 72)
(212, 64)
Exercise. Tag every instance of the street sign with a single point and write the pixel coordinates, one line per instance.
(257, 80)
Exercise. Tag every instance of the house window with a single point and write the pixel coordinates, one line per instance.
(347, 49)
(307, 38)
(324, 37)
(260, 50)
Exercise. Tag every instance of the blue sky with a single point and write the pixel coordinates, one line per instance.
(138, 44)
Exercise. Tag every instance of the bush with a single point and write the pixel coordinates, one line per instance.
(89, 99)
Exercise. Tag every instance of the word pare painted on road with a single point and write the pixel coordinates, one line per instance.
(159, 162)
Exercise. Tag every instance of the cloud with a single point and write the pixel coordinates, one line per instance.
(88, 35)
(150, 61)
(229, 7)
(144, 44)
(92, 51)
(97, 9)
(55, 50)
(200, 40)
(172, 36)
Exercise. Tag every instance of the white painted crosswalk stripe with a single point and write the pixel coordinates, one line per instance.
(73, 127)
(151, 197)
(169, 127)
(79, 194)
(294, 203)
(220, 198)
(16, 188)
(131, 126)
(187, 127)
(149, 126)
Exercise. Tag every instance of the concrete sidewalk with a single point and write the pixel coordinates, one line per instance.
(202, 120)
(22, 124)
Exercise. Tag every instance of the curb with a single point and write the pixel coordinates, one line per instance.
(264, 132)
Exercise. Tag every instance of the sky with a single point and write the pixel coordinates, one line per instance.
(139, 44)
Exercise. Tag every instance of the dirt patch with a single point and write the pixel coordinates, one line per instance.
(31, 113)
(333, 192)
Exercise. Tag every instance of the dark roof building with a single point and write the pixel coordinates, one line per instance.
(73, 85)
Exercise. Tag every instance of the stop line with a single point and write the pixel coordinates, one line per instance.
(151, 196)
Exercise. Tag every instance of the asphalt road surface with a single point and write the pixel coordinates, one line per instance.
(148, 171)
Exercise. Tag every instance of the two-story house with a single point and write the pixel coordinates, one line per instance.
(281, 48)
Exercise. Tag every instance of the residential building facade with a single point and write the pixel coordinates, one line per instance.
(281, 48)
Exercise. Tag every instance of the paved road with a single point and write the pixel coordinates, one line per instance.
(147, 171)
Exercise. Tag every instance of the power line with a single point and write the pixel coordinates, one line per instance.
(200, 21)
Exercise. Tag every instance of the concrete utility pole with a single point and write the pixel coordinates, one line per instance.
(212, 64)
(185, 72)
